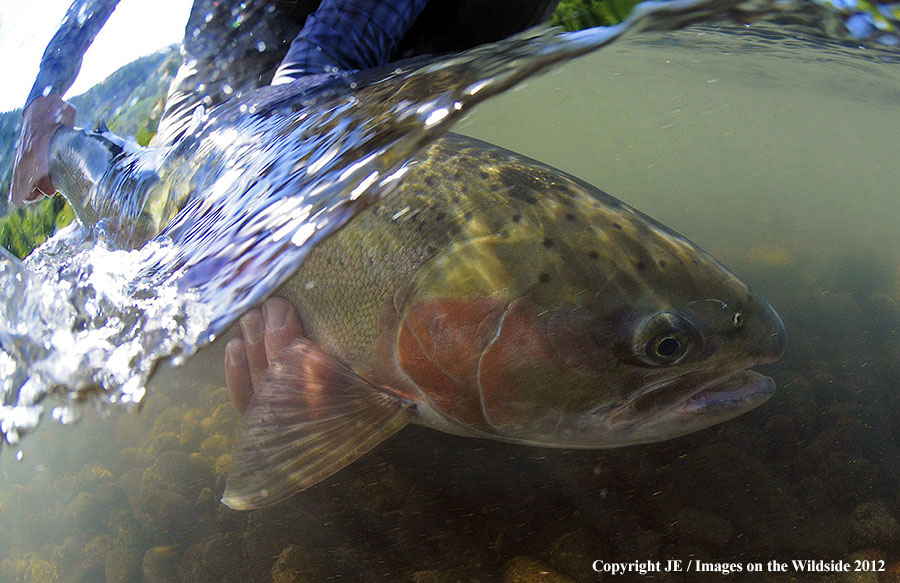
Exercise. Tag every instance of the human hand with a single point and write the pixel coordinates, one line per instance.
(31, 173)
(264, 334)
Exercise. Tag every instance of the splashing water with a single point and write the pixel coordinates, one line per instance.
(246, 195)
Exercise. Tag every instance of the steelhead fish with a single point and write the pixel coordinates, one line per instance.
(493, 296)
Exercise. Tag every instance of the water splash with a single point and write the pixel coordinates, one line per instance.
(246, 195)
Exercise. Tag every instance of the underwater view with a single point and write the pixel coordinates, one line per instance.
(505, 374)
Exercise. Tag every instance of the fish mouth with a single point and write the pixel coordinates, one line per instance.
(743, 390)
(694, 395)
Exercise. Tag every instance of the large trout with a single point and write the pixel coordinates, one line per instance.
(490, 296)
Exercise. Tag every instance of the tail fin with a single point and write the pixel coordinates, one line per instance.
(108, 178)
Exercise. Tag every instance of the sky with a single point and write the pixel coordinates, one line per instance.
(134, 29)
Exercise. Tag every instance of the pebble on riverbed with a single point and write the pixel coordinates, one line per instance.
(528, 570)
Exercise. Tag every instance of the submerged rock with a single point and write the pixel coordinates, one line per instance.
(891, 573)
(706, 528)
(216, 445)
(86, 514)
(292, 566)
(123, 561)
(179, 473)
(191, 431)
(112, 497)
(872, 525)
(92, 475)
(528, 570)
(158, 564)
(41, 571)
(161, 443)
(856, 576)
(848, 480)
(123, 565)
(168, 421)
(222, 421)
(91, 565)
(223, 559)
(574, 552)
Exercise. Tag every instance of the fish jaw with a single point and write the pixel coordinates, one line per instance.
(730, 397)
(683, 405)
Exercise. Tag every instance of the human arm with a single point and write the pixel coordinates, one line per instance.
(45, 111)
(348, 35)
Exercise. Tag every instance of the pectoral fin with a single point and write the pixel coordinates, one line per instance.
(312, 416)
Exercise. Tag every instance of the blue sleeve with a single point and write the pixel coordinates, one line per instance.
(62, 57)
(349, 35)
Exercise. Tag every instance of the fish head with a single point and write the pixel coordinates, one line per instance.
(573, 320)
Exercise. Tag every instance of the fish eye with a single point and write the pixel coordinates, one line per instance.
(667, 347)
(664, 339)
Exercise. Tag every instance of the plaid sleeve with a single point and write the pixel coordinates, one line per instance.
(348, 35)
(62, 57)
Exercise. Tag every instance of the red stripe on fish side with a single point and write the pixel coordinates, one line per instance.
(439, 346)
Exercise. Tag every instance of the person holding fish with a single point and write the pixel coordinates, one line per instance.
(230, 47)
(228, 50)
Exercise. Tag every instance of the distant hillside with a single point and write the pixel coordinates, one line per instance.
(129, 101)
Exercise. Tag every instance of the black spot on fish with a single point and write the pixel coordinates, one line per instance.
(570, 217)
(544, 277)
(517, 218)
(617, 226)
(593, 255)
(439, 218)
(548, 243)
(641, 266)
(468, 216)
(662, 264)
(430, 181)
(483, 174)
(457, 176)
